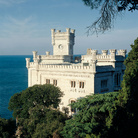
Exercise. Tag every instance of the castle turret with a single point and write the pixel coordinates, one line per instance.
(27, 62)
(63, 41)
(34, 55)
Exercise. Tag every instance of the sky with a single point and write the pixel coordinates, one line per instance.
(25, 26)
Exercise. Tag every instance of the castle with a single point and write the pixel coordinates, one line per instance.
(92, 73)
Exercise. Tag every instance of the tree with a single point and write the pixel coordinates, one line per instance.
(35, 110)
(124, 115)
(108, 11)
(93, 116)
(46, 95)
(127, 102)
(112, 114)
(130, 78)
(42, 122)
(7, 128)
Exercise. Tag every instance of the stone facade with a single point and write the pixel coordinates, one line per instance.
(93, 73)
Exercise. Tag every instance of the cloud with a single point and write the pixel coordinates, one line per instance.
(21, 37)
(27, 27)
(11, 2)
(3, 2)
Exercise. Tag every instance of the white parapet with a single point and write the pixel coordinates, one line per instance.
(122, 52)
(104, 52)
(68, 68)
(47, 53)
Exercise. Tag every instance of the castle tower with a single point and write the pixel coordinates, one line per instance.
(63, 41)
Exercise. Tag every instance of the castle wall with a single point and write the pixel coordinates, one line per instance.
(64, 75)
(104, 76)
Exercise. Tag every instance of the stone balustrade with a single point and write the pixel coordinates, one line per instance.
(104, 57)
(71, 68)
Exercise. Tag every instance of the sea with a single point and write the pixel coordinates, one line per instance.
(13, 79)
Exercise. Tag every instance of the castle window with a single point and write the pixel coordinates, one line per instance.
(73, 109)
(117, 79)
(73, 84)
(103, 83)
(47, 81)
(81, 84)
(55, 82)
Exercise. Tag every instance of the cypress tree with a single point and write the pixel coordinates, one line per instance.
(125, 120)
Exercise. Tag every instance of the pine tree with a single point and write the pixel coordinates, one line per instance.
(128, 97)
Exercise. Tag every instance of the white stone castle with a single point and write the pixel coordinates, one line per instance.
(92, 73)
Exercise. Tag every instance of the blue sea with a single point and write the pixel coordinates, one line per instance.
(13, 79)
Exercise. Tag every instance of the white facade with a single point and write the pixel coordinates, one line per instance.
(94, 73)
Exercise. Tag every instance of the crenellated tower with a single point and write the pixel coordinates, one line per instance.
(63, 41)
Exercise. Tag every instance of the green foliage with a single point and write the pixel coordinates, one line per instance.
(130, 78)
(92, 118)
(7, 128)
(36, 113)
(46, 95)
(42, 122)
(126, 115)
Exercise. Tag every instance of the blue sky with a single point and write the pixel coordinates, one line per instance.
(25, 26)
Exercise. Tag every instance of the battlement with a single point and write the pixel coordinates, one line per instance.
(51, 59)
(104, 58)
(105, 55)
(122, 52)
(55, 67)
(58, 32)
(58, 35)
